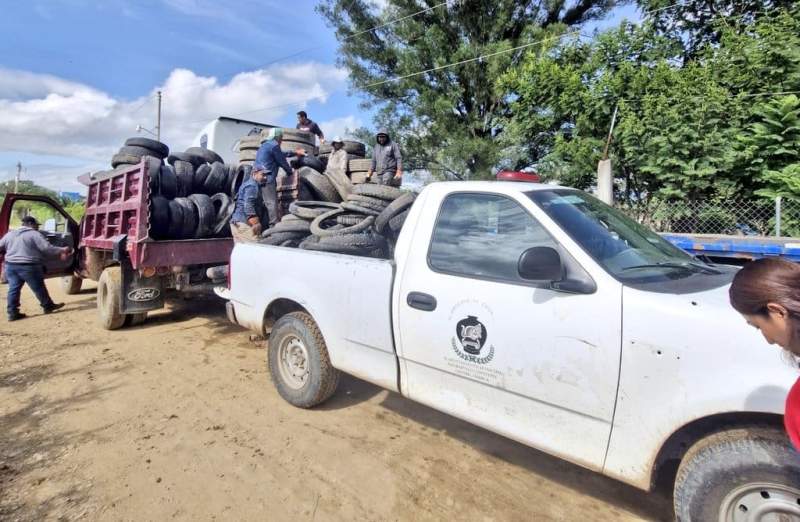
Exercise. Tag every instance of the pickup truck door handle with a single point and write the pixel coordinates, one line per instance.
(420, 301)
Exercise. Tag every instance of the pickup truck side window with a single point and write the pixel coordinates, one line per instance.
(483, 236)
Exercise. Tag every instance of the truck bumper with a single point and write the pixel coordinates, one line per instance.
(231, 313)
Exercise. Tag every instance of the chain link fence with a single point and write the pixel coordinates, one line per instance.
(757, 217)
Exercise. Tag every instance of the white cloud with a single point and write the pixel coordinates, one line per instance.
(340, 127)
(44, 114)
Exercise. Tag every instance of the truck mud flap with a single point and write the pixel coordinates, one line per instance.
(140, 294)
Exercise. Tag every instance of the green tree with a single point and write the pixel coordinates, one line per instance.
(446, 116)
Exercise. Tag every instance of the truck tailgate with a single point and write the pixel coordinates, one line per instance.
(349, 297)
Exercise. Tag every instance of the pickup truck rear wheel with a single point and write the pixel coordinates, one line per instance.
(108, 298)
(299, 363)
(739, 475)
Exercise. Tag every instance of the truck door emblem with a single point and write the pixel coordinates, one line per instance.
(139, 295)
(472, 335)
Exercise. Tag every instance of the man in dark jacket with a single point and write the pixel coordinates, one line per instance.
(305, 124)
(387, 162)
(25, 250)
(269, 159)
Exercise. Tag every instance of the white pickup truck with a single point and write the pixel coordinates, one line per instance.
(544, 315)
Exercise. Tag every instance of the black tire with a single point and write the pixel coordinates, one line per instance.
(206, 215)
(175, 228)
(293, 330)
(321, 226)
(139, 152)
(121, 160)
(168, 182)
(325, 148)
(355, 148)
(159, 217)
(719, 465)
(194, 159)
(290, 217)
(396, 223)
(247, 155)
(379, 191)
(209, 155)
(312, 162)
(292, 146)
(189, 213)
(159, 148)
(358, 209)
(378, 205)
(299, 136)
(215, 181)
(71, 284)
(395, 208)
(350, 219)
(366, 244)
(311, 209)
(250, 143)
(242, 173)
(184, 171)
(359, 165)
(295, 225)
(282, 237)
(199, 178)
(319, 185)
(153, 166)
(340, 182)
(223, 207)
(109, 294)
(135, 319)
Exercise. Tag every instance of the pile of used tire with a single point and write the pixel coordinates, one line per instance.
(192, 195)
(366, 222)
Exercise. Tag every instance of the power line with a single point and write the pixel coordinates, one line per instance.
(475, 59)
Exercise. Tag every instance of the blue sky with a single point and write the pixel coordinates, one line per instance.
(77, 76)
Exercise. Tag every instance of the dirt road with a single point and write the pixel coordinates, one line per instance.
(177, 419)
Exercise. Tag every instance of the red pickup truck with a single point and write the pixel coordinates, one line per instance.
(113, 246)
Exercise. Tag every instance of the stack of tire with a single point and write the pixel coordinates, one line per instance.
(365, 223)
(192, 195)
(248, 146)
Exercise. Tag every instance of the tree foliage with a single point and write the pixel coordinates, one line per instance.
(445, 116)
(709, 127)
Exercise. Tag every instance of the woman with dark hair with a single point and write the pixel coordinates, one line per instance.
(767, 293)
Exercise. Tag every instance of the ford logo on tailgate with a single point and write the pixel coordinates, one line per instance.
(143, 294)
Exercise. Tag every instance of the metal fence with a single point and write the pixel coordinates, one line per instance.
(754, 217)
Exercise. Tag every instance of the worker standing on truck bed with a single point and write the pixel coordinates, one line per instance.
(25, 250)
(269, 159)
(387, 162)
(767, 293)
(305, 124)
(338, 157)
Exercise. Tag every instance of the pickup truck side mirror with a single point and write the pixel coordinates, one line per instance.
(540, 264)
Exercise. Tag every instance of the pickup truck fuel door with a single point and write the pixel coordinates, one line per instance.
(504, 347)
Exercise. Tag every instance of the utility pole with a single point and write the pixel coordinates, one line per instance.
(605, 177)
(158, 118)
(16, 178)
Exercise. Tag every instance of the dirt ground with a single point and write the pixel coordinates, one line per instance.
(177, 419)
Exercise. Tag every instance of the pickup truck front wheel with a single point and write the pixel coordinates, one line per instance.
(739, 475)
(299, 363)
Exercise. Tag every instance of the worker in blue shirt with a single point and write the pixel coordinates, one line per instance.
(269, 159)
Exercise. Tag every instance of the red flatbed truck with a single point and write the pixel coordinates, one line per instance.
(112, 245)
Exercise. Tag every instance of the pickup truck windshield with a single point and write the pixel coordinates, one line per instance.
(627, 250)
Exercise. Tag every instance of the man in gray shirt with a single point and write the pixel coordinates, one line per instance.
(387, 162)
(25, 250)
